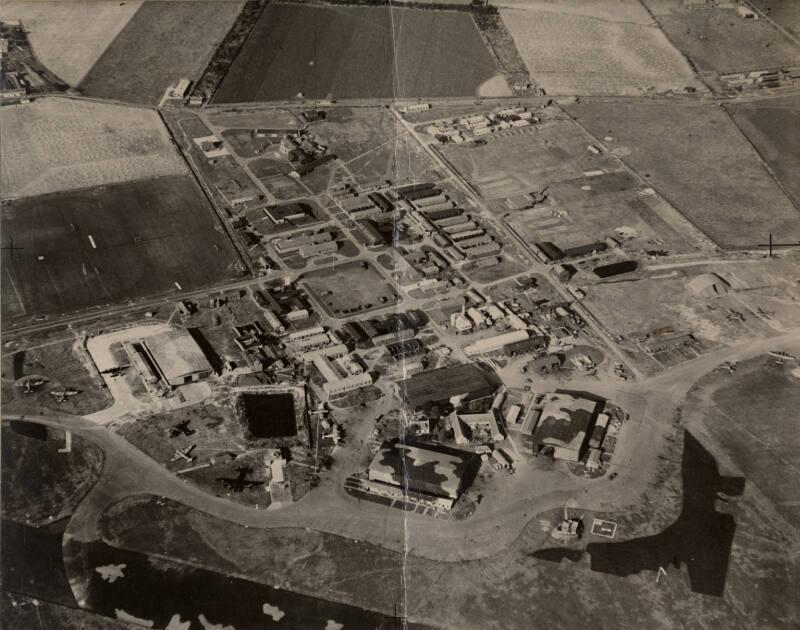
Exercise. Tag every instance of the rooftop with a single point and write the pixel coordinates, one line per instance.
(177, 354)
(564, 421)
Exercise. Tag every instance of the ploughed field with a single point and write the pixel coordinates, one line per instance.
(357, 52)
(56, 144)
(108, 245)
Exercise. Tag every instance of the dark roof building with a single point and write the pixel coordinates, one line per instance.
(442, 384)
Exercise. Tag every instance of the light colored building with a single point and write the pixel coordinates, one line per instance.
(177, 358)
(492, 344)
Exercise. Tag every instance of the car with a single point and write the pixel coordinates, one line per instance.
(612, 476)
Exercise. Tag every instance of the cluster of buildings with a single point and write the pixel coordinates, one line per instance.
(304, 152)
(460, 129)
(307, 245)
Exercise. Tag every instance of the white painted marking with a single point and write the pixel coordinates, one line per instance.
(179, 287)
(91, 240)
(176, 624)
(333, 625)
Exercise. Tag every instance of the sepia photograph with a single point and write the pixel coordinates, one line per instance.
(400, 314)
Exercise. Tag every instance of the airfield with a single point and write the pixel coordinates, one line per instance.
(542, 258)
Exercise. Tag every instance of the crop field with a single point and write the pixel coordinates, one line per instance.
(350, 288)
(110, 245)
(358, 52)
(773, 126)
(600, 47)
(373, 145)
(162, 43)
(712, 39)
(697, 159)
(52, 28)
(526, 159)
(55, 144)
(757, 403)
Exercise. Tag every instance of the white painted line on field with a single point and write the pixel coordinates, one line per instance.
(180, 288)
(91, 240)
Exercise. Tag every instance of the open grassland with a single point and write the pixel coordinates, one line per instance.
(599, 47)
(38, 482)
(773, 126)
(110, 245)
(162, 43)
(373, 145)
(696, 158)
(358, 52)
(57, 144)
(717, 40)
(69, 37)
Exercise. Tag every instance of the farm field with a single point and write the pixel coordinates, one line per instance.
(373, 145)
(525, 159)
(134, 69)
(712, 38)
(349, 288)
(600, 47)
(773, 126)
(58, 144)
(52, 28)
(756, 403)
(358, 52)
(785, 13)
(697, 159)
(147, 236)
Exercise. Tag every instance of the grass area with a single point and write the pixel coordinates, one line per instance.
(527, 159)
(773, 126)
(60, 366)
(110, 245)
(712, 39)
(697, 159)
(162, 43)
(755, 405)
(58, 144)
(52, 28)
(785, 13)
(350, 288)
(646, 312)
(20, 611)
(373, 145)
(357, 52)
(39, 484)
(490, 593)
(601, 47)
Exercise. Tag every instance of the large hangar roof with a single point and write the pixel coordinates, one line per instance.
(177, 354)
(439, 472)
(444, 383)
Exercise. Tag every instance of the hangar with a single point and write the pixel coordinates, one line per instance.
(564, 426)
(444, 384)
(435, 473)
(176, 357)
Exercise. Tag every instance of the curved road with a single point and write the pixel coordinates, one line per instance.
(129, 472)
